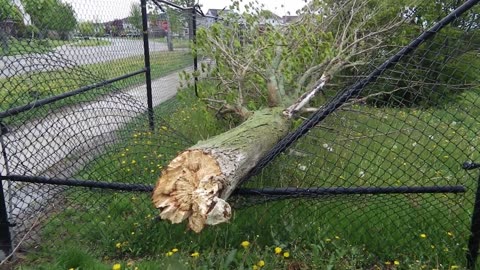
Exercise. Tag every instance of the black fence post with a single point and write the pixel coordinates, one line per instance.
(194, 40)
(146, 52)
(474, 239)
(5, 236)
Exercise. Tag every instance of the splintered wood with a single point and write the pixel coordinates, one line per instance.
(189, 188)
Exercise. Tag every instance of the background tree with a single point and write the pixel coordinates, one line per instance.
(116, 27)
(442, 78)
(8, 11)
(187, 15)
(135, 17)
(86, 29)
(51, 15)
(99, 28)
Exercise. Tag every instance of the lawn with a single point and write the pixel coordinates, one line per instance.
(361, 146)
(26, 88)
(22, 46)
(177, 42)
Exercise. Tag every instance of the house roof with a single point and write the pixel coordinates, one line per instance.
(216, 12)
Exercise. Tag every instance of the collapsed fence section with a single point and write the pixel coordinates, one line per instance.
(377, 167)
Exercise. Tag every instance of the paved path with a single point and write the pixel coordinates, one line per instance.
(66, 140)
(117, 49)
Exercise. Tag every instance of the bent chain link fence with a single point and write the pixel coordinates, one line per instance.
(378, 166)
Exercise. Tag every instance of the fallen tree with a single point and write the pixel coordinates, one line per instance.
(198, 181)
(281, 68)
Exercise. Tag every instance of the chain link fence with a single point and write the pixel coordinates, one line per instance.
(376, 178)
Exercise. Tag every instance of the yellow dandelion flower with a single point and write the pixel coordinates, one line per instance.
(454, 267)
(278, 250)
(245, 244)
(71, 268)
(255, 267)
(422, 235)
(175, 250)
(136, 268)
(387, 263)
(396, 262)
(117, 266)
(132, 233)
(195, 254)
(445, 249)
(328, 239)
(261, 263)
(169, 254)
(337, 237)
(118, 245)
(164, 128)
(286, 254)
(449, 233)
(134, 161)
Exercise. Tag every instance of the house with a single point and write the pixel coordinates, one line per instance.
(212, 16)
(289, 19)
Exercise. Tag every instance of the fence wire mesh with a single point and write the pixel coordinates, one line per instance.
(377, 184)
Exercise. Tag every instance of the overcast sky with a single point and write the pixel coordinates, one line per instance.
(107, 10)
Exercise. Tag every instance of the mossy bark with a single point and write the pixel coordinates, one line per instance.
(197, 183)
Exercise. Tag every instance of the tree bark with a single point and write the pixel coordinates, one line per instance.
(197, 183)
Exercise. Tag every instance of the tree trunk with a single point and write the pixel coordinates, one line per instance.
(197, 183)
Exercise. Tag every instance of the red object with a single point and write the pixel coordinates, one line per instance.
(165, 25)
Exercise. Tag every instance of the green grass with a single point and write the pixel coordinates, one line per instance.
(364, 147)
(22, 46)
(177, 43)
(91, 43)
(26, 88)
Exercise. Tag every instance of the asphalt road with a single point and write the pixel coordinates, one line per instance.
(117, 49)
